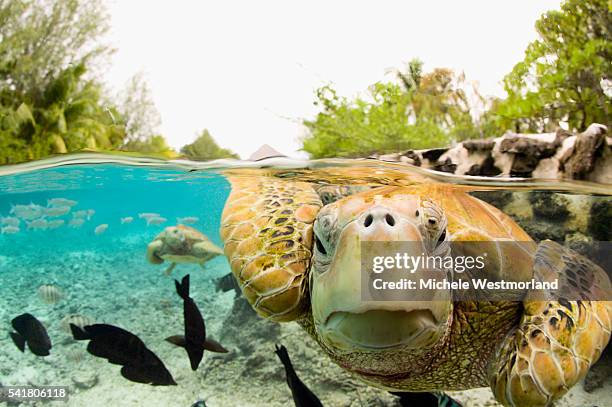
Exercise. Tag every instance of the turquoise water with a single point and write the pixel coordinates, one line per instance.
(114, 192)
(106, 277)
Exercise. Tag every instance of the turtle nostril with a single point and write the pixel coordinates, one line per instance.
(390, 220)
(368, 221)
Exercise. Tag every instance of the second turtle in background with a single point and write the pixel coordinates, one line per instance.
(181, 244)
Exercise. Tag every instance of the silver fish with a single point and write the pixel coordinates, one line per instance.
(90, 213)
(156, 220)
(9, 230)
(80, 214)
(50, 293)
(100, 229)
(61, 202)
(147, 215)
(38, 224)
(56, 211)
(187, 220)
(56, 223)
(127, 219)
(10, 221)
(27, 212)
(76, 222)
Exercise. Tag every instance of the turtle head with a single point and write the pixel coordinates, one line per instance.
(173, 236)
(344, 322)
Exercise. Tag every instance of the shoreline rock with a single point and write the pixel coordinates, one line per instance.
(560, 155)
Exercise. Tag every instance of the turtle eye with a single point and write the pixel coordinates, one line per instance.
(442, 237)
(320, 246)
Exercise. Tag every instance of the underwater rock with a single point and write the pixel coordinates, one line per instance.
(84, 379)
(498, 199)
(547, 205)
(600, 219)
(600, 372)
(244, 327)
(541, 230)
(579, 243)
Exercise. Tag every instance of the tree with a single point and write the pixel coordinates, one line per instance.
(142, 120)
(40, 39)
(205, 148)
(563, 74)
(422, 111)
(49, 100)
(138, 108)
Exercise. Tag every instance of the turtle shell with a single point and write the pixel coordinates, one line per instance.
(267, 230)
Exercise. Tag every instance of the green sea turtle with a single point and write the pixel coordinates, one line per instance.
(181, 244)
(297, 259)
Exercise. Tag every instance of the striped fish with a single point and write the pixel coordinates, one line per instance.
(75, 319)
(50, 293)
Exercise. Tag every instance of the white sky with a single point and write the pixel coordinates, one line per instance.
(247, 70)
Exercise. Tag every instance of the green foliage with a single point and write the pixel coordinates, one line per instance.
(562, 74)
(565, 77)
(205, 148)
(155, 145)
(50, 101)
(47, 103)
(68, 115)
(426, 110)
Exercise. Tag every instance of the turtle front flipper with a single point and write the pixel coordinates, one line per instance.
(152, 250)
(206, 250)
(267, 229)
(170, 269)
(559, 339)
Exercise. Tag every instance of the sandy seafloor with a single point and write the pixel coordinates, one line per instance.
(122, 289)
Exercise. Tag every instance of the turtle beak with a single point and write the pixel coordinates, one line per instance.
(347, 322)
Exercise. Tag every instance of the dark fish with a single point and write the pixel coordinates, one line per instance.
(199, 403)
(30, 331)
(194, 341)
(227, 283)
(302, 396)
(121, 347)
(408, 399)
